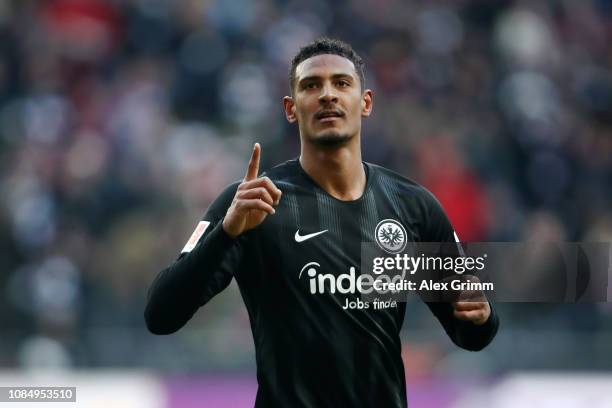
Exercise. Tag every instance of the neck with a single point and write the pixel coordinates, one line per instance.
(337, 170)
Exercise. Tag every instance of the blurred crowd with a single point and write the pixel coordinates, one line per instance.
(121, 120)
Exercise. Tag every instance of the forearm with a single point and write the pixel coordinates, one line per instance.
(181, 288)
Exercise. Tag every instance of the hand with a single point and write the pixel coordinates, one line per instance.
(253, 201)
(472, 306)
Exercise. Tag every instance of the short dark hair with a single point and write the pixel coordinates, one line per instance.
(325, 45)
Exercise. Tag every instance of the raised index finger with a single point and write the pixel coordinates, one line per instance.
(253, 168)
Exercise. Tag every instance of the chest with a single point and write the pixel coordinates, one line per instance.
(314, 227)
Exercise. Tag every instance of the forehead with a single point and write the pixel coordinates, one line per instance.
(324, 64)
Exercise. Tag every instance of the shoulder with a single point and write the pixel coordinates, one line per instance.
(402, 185)
(435, 223)
(284, 173)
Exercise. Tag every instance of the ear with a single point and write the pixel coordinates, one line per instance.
(289, 109)
(366, 103)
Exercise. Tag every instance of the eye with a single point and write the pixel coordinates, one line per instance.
(343, 83)
(310, 85)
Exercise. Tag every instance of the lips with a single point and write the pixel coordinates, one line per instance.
(329, 114)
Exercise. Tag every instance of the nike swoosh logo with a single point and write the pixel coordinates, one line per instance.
(302, 238)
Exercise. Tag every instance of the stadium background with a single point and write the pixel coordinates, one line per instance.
(120, 121)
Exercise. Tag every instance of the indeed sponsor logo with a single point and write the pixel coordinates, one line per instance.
(344, 283)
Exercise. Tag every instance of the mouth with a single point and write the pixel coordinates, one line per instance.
(329, 115)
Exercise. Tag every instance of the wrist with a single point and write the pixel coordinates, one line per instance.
(228, 230)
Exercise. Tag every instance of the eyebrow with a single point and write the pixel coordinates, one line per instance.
(318, 77)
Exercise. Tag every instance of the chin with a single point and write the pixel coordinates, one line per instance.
(331, 138)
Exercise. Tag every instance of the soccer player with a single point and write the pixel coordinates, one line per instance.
(275, 234)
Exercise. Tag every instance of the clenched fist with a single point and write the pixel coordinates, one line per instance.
(254, 200)
(472, 305)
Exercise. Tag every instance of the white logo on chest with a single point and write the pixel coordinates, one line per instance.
(302, 238)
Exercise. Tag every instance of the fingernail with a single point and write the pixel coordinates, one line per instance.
(273, 211)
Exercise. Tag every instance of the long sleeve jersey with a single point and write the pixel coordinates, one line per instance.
(311, 349)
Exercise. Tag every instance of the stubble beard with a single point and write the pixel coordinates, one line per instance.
(331, 139)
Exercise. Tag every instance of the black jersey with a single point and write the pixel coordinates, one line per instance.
(312, 350)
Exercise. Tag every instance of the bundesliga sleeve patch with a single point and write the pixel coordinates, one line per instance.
(195, 237)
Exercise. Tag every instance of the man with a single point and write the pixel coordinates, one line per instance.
(309, 216)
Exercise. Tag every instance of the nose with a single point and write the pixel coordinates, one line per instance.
(328, 94)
